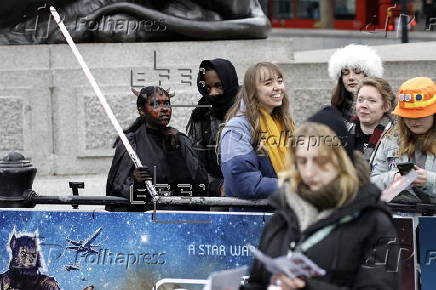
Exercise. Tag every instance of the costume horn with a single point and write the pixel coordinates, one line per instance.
(135, 92)
(170, 94)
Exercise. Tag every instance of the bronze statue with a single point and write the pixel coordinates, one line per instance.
(132, 20)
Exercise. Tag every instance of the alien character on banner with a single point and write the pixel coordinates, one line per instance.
(26, 265)
(30, 22)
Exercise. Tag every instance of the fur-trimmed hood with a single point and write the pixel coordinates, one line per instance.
(355, 55)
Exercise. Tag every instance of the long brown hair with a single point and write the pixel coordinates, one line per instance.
(410, 142)
(253, 76)
(348, 177)
(340, 94)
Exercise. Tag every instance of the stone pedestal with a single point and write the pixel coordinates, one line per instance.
(51, 114)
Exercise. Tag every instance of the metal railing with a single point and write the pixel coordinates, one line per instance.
(31, 197)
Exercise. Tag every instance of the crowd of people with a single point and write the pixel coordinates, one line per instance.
(238, 138)
(324, 177)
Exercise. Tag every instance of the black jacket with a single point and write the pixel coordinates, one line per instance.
(173, 165)
(353, 255)
(203, 125)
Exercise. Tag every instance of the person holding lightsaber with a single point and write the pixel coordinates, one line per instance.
(167, 154)
(147, 96)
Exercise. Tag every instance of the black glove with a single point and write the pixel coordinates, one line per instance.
(141, 174)
(171, 139)
(215, 187)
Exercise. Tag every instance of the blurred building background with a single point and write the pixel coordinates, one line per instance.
(347, 14)
(316, 24)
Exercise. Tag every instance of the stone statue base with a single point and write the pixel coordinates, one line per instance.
(51, 114)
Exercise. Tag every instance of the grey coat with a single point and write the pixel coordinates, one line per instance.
(384, 165)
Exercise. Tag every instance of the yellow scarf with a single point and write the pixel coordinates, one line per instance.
(273, 139)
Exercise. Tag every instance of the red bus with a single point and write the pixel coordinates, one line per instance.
(349, 14)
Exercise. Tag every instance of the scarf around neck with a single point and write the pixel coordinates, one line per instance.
(273, 140)
(322, 199)
(307, 214)
(384, 124)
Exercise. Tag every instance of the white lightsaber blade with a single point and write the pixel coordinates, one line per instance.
(101, 98)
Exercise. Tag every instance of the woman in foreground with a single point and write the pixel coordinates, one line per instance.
(328, 210)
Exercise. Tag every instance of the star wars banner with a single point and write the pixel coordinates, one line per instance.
(166, 250)
(99, 250)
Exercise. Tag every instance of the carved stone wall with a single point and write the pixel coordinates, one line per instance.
(51, 114)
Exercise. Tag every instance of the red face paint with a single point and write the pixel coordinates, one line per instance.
(158, 111)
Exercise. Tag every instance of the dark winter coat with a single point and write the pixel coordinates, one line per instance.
(204, 122)
(173, 165)
(353, 254)
(203, 133)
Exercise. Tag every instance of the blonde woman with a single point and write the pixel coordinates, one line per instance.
(328, 210)
(412, 140)
(253, 142)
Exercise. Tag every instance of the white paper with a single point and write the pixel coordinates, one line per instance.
(293, 266)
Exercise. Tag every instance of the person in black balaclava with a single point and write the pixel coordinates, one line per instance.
(218, 84)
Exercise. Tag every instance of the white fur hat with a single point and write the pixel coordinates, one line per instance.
(355, 55)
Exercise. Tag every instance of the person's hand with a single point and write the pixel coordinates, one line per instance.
(222, 193)
(397, 176)
(141, 174)
(171, 138)
(421, 179)
(287, 283)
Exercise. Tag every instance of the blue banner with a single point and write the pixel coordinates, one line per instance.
(427, 252)
(166, 250)
(100, 250)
